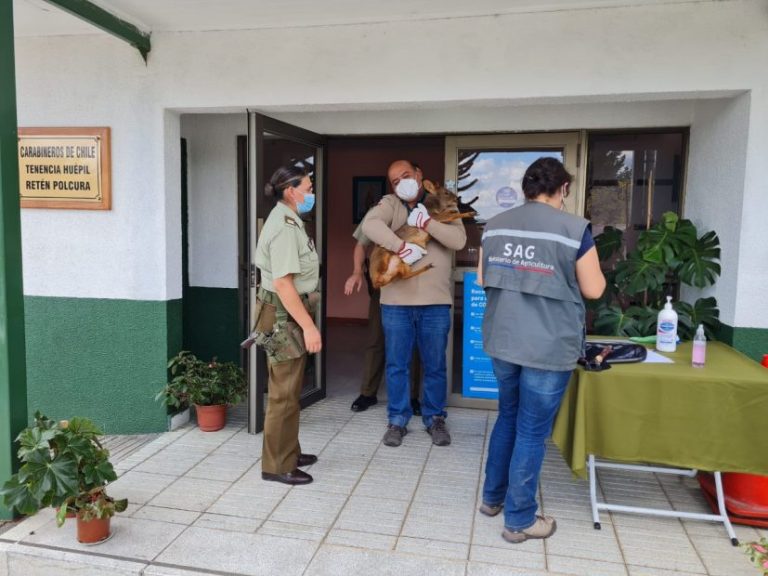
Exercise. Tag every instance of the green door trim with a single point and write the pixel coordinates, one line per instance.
(13, 375)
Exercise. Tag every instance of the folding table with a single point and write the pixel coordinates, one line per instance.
(683, 418)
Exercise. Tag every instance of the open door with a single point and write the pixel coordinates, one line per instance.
(271, 144)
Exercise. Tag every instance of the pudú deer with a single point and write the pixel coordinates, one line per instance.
(386, 266)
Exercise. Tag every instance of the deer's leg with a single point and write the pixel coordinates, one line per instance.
(455, 216)
(408, 272)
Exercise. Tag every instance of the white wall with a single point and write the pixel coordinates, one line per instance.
(472, 118)
(212, 192)
(751, 309)
(119, 253)
(652, 50)
(714, 199)
(453, 74)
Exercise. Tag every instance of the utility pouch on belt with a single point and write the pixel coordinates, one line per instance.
(264, 318)
(285, 343)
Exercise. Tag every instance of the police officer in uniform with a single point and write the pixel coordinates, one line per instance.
(290, 272)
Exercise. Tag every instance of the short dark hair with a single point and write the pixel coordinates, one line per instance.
(545, 176)
(284, 177)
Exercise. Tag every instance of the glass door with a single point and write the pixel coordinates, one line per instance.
(271, 144)
(486, 172)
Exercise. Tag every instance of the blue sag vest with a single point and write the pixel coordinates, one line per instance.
(534, 316)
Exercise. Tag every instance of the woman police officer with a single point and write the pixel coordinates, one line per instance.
(289, 267)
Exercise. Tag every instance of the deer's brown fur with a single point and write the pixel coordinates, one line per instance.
(386, 266)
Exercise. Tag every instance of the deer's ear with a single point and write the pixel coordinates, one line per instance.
(428, 186)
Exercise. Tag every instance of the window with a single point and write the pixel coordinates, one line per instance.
(632, 179)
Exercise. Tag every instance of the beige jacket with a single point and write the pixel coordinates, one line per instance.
(432, 287)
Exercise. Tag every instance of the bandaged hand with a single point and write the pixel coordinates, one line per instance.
(419, 217)
(411, 253)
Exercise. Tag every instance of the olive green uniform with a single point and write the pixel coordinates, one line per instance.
(284, 248)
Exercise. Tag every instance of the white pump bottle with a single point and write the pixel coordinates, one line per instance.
(666, 328)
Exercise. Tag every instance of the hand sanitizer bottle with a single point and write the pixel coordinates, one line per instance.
(699, 348)
(666, 328)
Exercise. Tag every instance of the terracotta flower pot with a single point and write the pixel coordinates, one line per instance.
(92, 531)
(211, 418)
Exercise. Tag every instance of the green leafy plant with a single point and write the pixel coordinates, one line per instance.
(758, 554)
(194, 381)
(669, 254)
(65, 466)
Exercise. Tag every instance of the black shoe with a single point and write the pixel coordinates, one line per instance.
(294, 478)
(362, 403)
(305, 460)
(416, 406)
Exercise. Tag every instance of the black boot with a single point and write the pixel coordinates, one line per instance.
(362, 403)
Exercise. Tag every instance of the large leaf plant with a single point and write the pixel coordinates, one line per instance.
(64, 465)
(669, 254)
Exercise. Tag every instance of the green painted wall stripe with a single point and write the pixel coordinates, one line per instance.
(752, 342)
(212, 323)
(108, 22)
(175, 325)
(12, 367)
(104, 359)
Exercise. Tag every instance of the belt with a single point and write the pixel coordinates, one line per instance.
(272, 298)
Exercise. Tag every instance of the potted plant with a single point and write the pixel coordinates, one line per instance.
(667, 255)
(758, 554)
(210, 386)
(65, 466)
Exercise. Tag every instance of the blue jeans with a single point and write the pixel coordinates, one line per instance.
(529, 399)
(427, 327)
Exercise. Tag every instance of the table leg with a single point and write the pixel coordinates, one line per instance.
(593, 491)
(723, 511)
(593, 464)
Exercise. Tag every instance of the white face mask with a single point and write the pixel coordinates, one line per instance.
(407, 189)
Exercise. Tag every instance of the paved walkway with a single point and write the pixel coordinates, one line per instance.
(198, 505)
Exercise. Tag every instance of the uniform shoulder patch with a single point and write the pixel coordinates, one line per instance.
(291, 221)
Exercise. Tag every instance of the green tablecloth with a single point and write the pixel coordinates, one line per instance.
(711, 418)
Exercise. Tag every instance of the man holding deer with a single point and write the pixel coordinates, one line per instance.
(416, 310)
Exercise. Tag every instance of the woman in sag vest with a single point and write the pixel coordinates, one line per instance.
(536, 263)
(290, 271)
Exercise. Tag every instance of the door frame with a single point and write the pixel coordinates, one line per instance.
(572, 144)
(256, 365)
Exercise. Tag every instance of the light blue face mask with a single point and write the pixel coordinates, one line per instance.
(307, 204)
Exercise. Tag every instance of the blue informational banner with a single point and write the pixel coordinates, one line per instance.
(478, 380)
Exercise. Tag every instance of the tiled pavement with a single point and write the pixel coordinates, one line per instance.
(198, 505)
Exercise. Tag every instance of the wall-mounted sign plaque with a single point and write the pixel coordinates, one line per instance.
(65, 168)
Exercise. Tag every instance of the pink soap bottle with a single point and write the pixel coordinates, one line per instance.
(699, 353)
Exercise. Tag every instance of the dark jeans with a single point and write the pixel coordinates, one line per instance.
(426, 327)
(529, 399)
